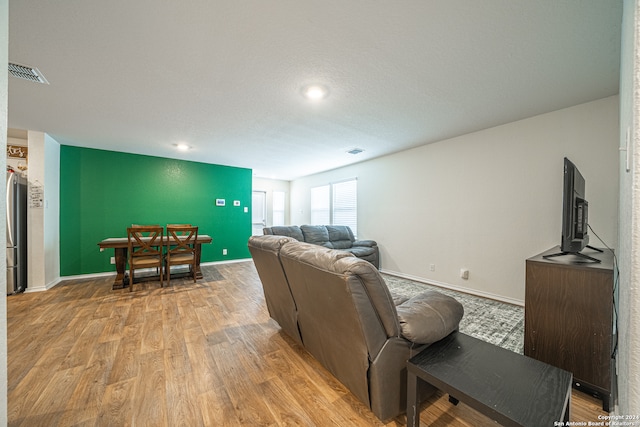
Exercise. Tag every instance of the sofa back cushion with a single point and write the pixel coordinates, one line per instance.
(317, 235)
(345, 310)
(286, 230)
(265, 251)
(340, 236)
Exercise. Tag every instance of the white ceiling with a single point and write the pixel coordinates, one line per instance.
(225, 76)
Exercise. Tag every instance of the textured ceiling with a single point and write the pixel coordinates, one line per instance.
(225, 76)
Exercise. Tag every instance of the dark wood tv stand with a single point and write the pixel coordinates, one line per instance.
(569, 318)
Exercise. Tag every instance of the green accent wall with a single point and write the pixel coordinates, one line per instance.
(104, 192)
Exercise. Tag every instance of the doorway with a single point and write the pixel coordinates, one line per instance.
(258, 212)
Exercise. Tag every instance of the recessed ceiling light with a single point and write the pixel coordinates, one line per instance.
(183, 147)
(315, 92)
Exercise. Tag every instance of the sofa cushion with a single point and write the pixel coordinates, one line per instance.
(370, 243)
(289, 231)
(429, 317)
(340, 236)
(269, 243)
(361, 251)
(317, 235)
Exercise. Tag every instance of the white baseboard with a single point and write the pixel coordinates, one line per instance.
(46, 287)
(87, 276)
(31, 289)
(456, 288)
(231, 261)
(58, 280)
(112, 273)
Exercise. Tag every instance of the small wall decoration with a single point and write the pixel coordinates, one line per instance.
(220, 202)
(36, 195)
(17, 151)
(236, 203)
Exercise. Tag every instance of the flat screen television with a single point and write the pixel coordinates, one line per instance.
(575, 215)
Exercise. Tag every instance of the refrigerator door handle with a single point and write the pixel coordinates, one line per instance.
(10, 238)
(12, 259)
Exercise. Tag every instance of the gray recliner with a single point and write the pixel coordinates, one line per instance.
(347, 319)
(265, 252)
(330, 236)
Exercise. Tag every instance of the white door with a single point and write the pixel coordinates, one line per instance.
(258, 212)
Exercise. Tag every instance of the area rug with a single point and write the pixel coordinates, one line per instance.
(492, 321)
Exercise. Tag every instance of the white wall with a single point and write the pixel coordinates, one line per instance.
(485, 201)
(628, 361)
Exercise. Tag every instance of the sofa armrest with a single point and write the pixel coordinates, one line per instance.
(369, 243)
(429, 317)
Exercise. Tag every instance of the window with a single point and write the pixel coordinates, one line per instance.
(278, 208)
(321, 205)
(336, 204)
(345, 204)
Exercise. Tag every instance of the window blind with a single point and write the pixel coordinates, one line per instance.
(336, 204)
(278, 207)
(320, 205)
(345, 204)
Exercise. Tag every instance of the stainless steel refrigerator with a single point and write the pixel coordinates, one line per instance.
(16, 232)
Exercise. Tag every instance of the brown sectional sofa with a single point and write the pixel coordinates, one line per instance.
(339, 308)
(330, 236)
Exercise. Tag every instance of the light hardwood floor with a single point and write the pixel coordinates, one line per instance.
(204, 354)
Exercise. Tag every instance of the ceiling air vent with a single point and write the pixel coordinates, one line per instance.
(355, 151)
(27, 73)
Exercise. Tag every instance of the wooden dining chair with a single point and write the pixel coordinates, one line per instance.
(145, 249)
(181, 248)
(178, 226)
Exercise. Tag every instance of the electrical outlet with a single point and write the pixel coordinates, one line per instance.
(224, 252)
(432, 267)
(464, 273)
(113, 260)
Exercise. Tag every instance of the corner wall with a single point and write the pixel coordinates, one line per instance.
(485, 201)
(51, 212)
(43, 218)
(628, 361)
(4, 59)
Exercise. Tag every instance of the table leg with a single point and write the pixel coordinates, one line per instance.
(413, 406)
(198, 253)
(121, 264)
(567, 412)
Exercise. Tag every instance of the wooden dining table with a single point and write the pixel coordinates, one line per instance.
(120, 245)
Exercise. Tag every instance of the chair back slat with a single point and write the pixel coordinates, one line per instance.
(145, 240)
(181, 238)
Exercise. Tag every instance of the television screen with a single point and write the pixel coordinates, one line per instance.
(575, 215)
(575, 210)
